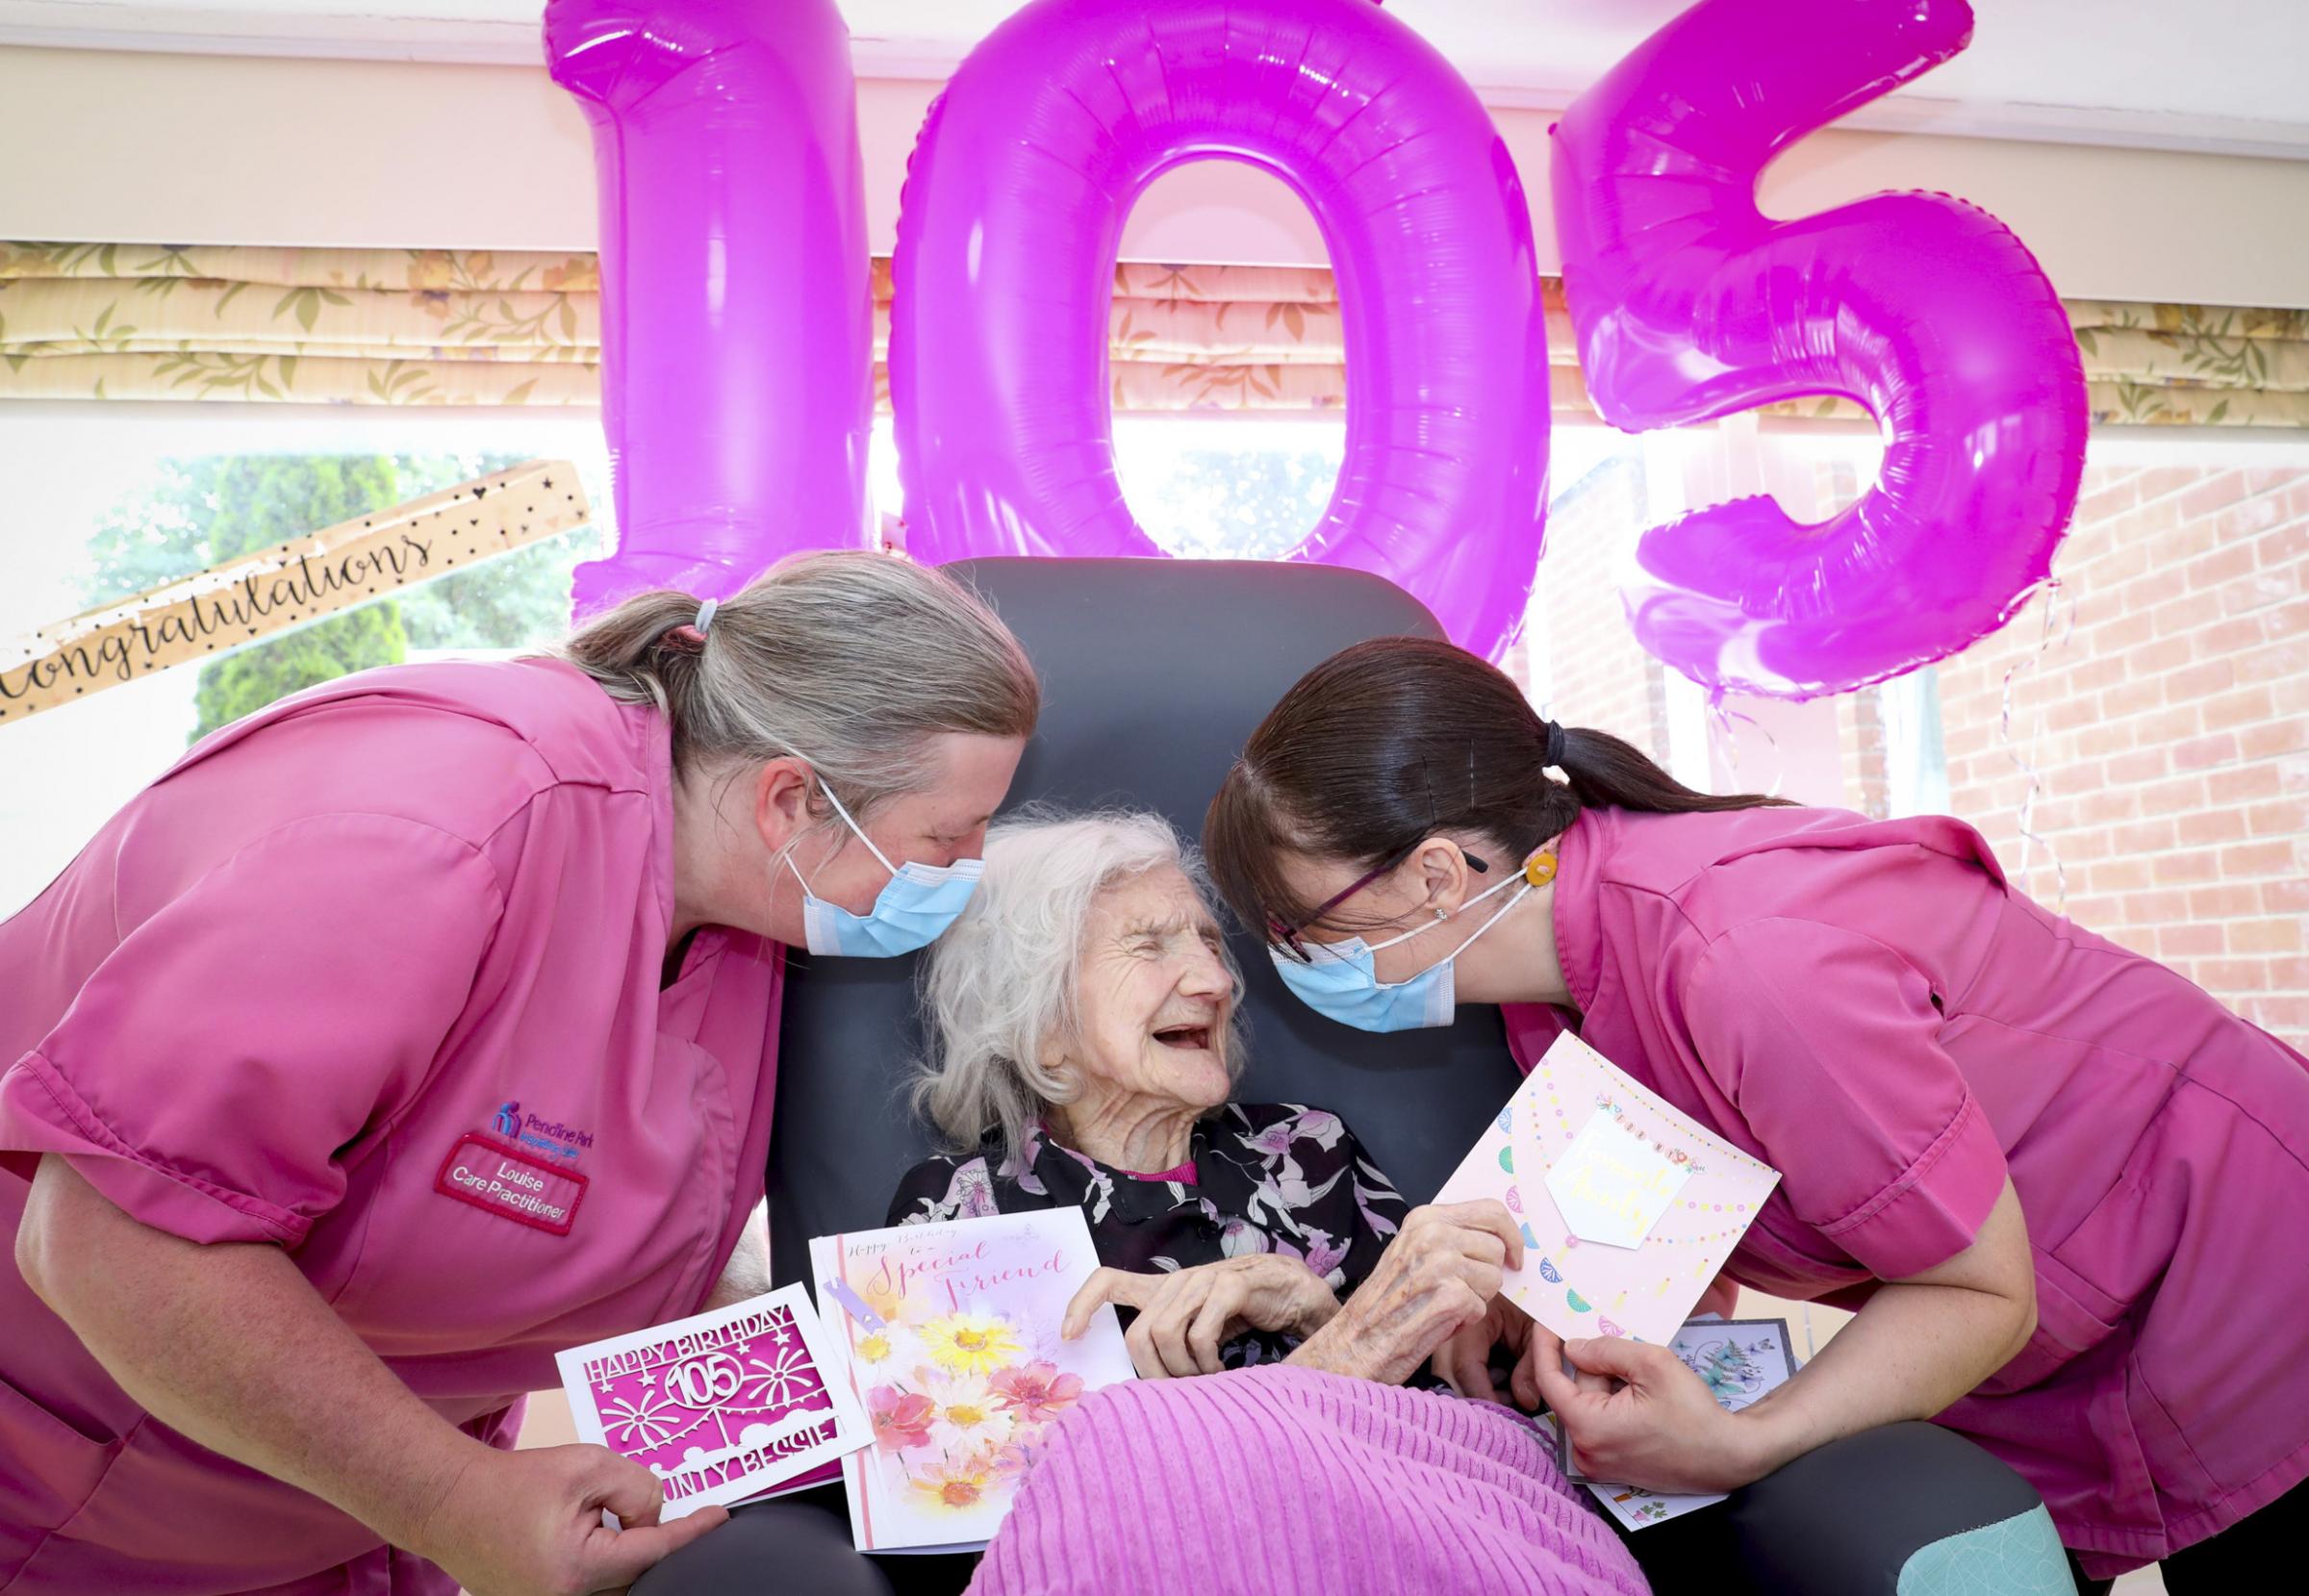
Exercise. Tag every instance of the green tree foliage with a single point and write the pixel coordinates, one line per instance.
(209, 510)
(517, 601)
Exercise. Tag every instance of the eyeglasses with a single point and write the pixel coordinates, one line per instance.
(1289, 937)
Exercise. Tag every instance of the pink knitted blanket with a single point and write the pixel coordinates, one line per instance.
(1280, 1480)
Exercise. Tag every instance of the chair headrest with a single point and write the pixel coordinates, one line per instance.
(1155, 673)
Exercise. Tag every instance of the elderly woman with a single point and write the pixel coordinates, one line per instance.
(1084, 1010)
(1088, 1045)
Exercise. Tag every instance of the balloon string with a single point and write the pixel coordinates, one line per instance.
(1725, 738)
(2026, 763)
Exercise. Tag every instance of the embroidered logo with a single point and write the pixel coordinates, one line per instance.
(501, 1178)
(549, 1137)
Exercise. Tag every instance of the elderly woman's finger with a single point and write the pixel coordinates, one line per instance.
(1139, 1340)
(1464, 1361)
(1105, 1285)
(1167, 1317)
(1491, 1218)
(1523, 1380)
(1224, 1300)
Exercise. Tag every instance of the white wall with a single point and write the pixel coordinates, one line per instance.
(217, 149)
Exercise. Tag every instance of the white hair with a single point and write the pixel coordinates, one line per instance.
(1001, 987)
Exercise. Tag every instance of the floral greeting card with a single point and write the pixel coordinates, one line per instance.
(948, 1337)
(1627, 1206)
(720, 1406)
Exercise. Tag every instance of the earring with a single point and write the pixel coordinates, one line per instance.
(1441, 915)
(1540, 868)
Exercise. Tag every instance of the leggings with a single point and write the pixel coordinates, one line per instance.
(2244, 1557)
(1848, 1519)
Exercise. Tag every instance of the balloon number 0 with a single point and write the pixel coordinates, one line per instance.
(1004, 278)
(1687, 303)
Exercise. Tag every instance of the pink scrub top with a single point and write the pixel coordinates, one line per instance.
(1868, 1007)
(373, 977)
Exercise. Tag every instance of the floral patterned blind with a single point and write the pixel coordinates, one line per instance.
(428, 326)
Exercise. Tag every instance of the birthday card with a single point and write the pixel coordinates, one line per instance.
(1628, 1206)
(722, 1406)
(948, 1336)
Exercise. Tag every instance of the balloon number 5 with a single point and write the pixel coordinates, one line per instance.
(1689, 303)
(1002, 285)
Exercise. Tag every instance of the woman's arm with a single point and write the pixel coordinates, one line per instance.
(1918, 1345)
(230, 1345)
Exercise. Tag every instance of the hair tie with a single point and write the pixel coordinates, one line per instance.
(1555, 745)
(705, 614)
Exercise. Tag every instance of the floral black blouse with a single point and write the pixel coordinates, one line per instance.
(1268, 1178)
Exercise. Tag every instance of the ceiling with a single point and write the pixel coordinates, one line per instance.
(2223, 75)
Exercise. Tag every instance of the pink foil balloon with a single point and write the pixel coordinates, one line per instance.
(736, 319)
(1689, 303)
(1007, 234)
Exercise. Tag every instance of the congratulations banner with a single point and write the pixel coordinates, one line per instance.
(294, 584)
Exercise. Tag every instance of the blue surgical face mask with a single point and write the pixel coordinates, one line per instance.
(913, 910)
(1341, 979)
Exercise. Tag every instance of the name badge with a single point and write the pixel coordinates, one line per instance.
(501, 1178)
(1611, 1185)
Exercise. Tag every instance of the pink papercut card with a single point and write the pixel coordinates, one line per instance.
(949, 1337)
(722, 1406)
(1628, 1206)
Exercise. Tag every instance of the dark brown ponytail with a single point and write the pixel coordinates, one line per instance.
(1397, 739)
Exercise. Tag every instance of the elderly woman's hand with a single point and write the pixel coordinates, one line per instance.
(1463, 1360)
(1437, 1277)
(1185, 1314)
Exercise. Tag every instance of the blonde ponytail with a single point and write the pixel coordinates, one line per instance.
(851, 660)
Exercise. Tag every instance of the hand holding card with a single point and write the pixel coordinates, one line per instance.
(1662, 1413)
(1639, 1414)
(720, 1406)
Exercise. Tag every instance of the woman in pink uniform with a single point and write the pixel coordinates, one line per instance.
(2063, 1186)
(425, 1024)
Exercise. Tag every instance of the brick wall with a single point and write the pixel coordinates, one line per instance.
(2169, 725)
(2167, 718)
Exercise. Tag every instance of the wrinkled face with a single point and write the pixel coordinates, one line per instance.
(1156, 999)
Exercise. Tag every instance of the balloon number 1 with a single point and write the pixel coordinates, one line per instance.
(737, 315)
(1689, 304)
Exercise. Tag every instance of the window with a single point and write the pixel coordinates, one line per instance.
(2141, 761)
(107, 500)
